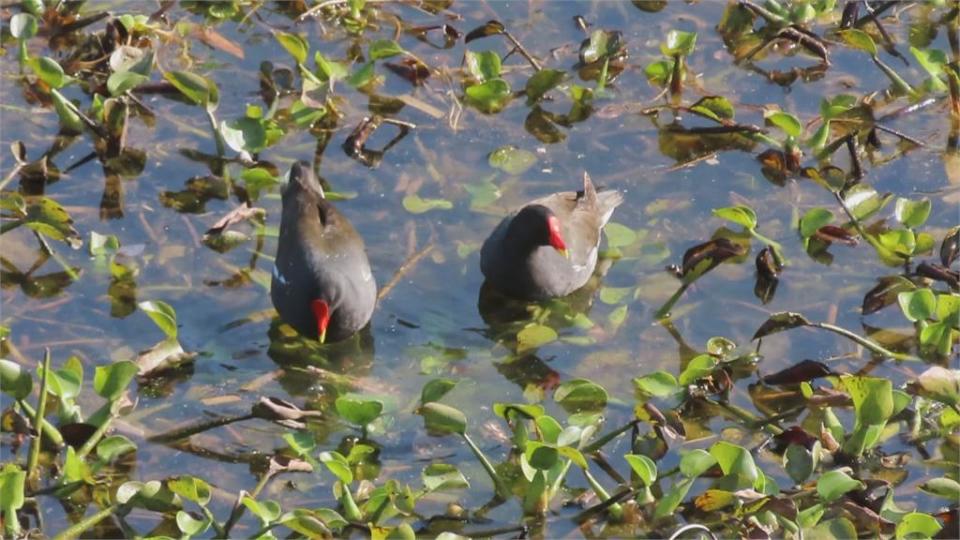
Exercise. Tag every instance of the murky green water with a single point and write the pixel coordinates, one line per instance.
(429, 324)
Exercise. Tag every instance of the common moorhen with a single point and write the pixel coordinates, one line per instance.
(322, 285)
(548, 248)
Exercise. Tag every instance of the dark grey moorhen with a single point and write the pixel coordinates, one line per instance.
(322, 285)
(548, 248)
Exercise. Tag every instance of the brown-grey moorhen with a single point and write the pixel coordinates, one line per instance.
(548, 248)
(322, 285)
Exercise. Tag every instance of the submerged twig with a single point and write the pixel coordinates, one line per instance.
(404, 269)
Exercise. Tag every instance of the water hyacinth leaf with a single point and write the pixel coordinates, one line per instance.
(702, 258)
(338, 465)
(295, 45)
(533, 336)
(787, 122)
(113, 447)
(67, 113)
(417, 205)
(256, 179)
(699, 367)
(940, 384)
(618, 316)
(696, 462)
(659, 73)
(643, 466)
(304, 115)
(799, 462)
(110, 381)
(490, 96)
(483, 65)
(716, 108)
(491, 28)
(49, 71)
(917, 525)
(47, 217)
(668, 504)
(23, 26)
(12, 480)
(872, 398)
(330, 70)
(835, 528)
(15, 381)
(244, 135)
(614, 295)
(918, 305)
(190, 526)
(358, 410)
(119, 83)
(858, 39)
(531, 411)
(912, 214)
(679, 43)
(813, 219)
(601, 44)
(803, 371)
(834, 484)
(442, 419)
(512, 160)
(266, 511)
(618, 235)
(580, 395)
(864, 201)
(198, 89)
(659, 384)
(440, 476)
(740, 214)
(778, 322)
(190, 488)
(737, 465)
(542, 82)
(162, 314)
(902, 242)
(362, 77)
(435, 390)
(385, 48)
(948, 488)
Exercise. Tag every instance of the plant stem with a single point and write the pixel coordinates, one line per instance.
(237, 512)
(866, 343)
(599, 443)
(664, 310)
(48, 429)
(81, 526)
(498, 485)
(33, 473)
(97, 435)
(616, 511)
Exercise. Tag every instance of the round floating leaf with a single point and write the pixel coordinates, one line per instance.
(679, 43)
(483, 65)
(858, 39)
(659, 383)
(338, 465)
(244, 134)
(490, 96)
(912, 214)
(643, 466)
(49, 71)
(162, 315)
(618, 235)
(785, 121)
(581, 395)
(834, 484)
(440, 418)
(659, 73)
(435, 390)
(699, 367)
(917, 525)
(111, 381)
(23, 26)
(437, 476)
(385, 48)
(542, 82)
(533, 336)
(918, 305)
(741, 215)
(15, 381)
(295, 45)
(512, 160)
(417, 205)
(357, 410)
(668, 504)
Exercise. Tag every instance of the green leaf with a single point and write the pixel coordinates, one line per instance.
(601, 45)
(800, 462)
(49, 71)
(245, 134)
(541, 456)
(737, 465)
(533, 336)
(190, 488)
(490, 96)
(417, 205)
(917, 525)
(266, 511)
(162, 315)
(696, 462)
(659, 383)
(858, 39)
(933, 61)
(512, 160)
(12, 480)
(948, 488)
(644, 467)
(809, 517)
(917, 305)
(912, 214)
(112, 447)
(67, 113)
(102, 245)
(190, 526)
(483, 66)
(330, 70)
(357, 410)
(902, 242)
(940, 384)
(542, 82)
(118, 83)
(872, 397)
(580, 395)
(659, 73)
(668, 504)
(813, 219)
(23, 26)
(15, 381)
(834, 484)
(256, 179)
(47, 217)
(443, 419)
(618, 316)
(740, 214)
(362, 77)
(338, 465)
(111, 380)
(199, 90)
(440, 476)
(295, 45)
(435, 390)
(716, 108)
(385, 48)
(614, 295)
(785, 121)
(679, 43)
(778, 322)
(700, 366)
(619, 236)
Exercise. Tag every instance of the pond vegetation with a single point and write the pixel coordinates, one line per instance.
(792, 372)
